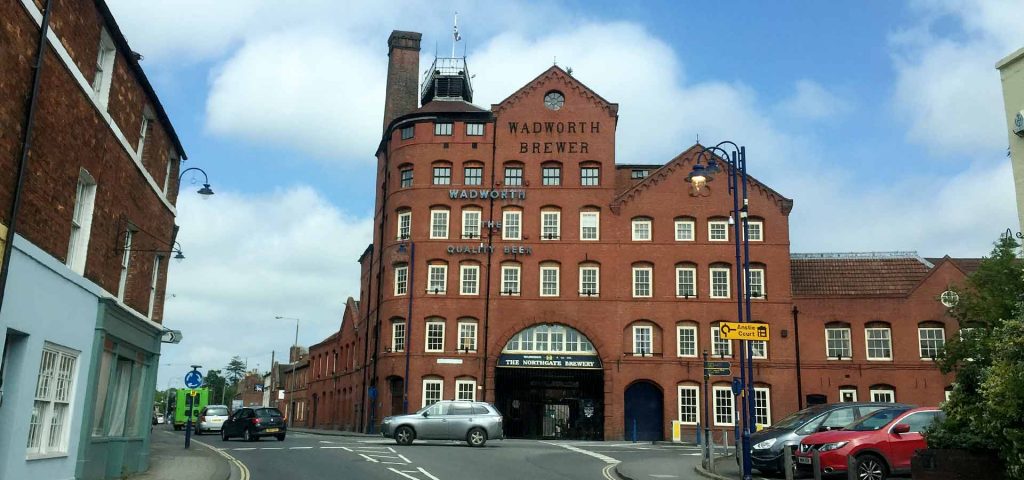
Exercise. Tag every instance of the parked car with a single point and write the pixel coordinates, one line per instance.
(253, 423)
(474, 422)
(880, 444)
(769, 444)
(211, 418)
(158, 418)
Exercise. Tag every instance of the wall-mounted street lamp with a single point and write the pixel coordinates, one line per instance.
(175, 249)
(206, 191)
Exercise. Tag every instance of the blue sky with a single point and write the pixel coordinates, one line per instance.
(882, 120)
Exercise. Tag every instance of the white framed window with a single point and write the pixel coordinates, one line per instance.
(686, 340)
(474, 175)
(433, 388)
(847, 395)
(878, 343)
(439, 223)
(126, 258)
(104, 69)
(725, 413)
(471, 223)
(171, 159)
(443, 129)
(398, 336)
(590, 281)
(549, 281)
(590, 226)
(883, 394)
(513, 176)
(144, 129)
(756, 278)
(401, 280)
(755, 230)
(590, 176)
(758, 349)
(684, 230)
(154, 284)
(443, 175)
(51, 411)
(689, 406)
(642, 281)
(435, 336)
(642, 230)
(931, 341)
(718, 231)
(720, 347)
(81, 222)
(719, 282)
(469, 279)
(512, 226)
(643, 340)
(762, 406)
(467, 336)
(465, 390)
(474, 129)
(946, 394)
(437, 279)
(837, 343)
(404, 225)
(510, 280)
(686, 282)
(550, 224)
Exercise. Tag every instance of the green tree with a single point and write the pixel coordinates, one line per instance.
(235, 370)
(986, 409)
(217, 385)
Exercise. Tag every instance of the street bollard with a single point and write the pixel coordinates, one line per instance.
(851, 470)
(787, 460)
(816, 464)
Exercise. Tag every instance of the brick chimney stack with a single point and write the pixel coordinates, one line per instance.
(402, 94)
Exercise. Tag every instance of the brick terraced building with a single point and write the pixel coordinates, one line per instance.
(515, 262)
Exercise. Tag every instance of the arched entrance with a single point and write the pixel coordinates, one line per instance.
(550, 384)
(644, 404)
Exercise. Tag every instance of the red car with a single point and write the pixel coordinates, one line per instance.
(881, 443)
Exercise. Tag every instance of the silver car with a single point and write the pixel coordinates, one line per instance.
(211, 419)
(474, 422)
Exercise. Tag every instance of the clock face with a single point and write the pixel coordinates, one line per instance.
(554, 100)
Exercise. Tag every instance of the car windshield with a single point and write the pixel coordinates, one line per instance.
(217, 411)
(268, 412)
(876, 420)
(797, 419)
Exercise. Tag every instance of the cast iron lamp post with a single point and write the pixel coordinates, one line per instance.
(206, 191)
(735, 159)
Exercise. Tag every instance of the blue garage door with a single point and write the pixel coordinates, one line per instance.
(644, 403)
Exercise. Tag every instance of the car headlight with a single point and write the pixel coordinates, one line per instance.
(832, 446)
(765, 444)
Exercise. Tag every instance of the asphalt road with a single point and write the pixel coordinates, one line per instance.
(311, 457)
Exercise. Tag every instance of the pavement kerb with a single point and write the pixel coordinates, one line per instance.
(704, 473)
(238, 469)
(622, 475)
(335, 433)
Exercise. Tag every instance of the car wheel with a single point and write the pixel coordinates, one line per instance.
(404, 435)
(223, 435)
(247, 436)
(871, 467)
(280, 437)
(477, 437)
(177, 428)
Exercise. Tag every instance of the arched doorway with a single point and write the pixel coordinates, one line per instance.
(550, 384)
(397, 389)
(644, 404)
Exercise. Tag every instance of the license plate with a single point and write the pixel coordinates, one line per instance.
(806, 460)
(271, 430)
(218, 420)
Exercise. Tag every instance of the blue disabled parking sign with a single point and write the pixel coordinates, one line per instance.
(193, 379)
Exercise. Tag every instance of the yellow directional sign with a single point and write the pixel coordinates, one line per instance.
(194, 393)
(743, 331)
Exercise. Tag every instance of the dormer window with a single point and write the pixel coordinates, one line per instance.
(639, 174)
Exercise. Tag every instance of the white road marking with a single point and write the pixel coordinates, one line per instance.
(603, 458)
(427, 473)
(374, 460)
(299, 448)
(404, 474)
(243, 449)
(403, 458)
(272, 448)
(336, 447)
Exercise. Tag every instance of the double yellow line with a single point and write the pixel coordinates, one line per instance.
(243, 470)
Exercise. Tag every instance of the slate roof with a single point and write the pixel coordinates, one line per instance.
(968, 265)
(450, 106)
(857, 274)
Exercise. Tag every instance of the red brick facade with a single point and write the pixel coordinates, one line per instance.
(523, 132)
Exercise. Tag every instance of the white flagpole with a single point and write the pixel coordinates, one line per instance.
(455, 33)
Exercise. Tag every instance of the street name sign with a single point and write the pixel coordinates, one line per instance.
(717, 369)
(743, 331)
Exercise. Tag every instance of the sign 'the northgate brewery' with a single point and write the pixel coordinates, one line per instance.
(552, 128)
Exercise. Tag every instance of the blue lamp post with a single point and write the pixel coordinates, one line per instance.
(734, 158)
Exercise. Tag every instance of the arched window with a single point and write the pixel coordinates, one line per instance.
(837, 341)
(550, 222)
(439, 220)
(549, 338)
(685, 229)
(473, 173)
(590, 174)
(643, 339)
(931, 338)
(686, 280)
(642, 229)
(643, 280)
(878, 339)
(442, 170)
(687, 339)
(551, 173)
(513, 174)
(883, 393)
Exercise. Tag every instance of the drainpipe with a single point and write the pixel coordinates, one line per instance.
(799, 379)
(490, 252)
(26, 145)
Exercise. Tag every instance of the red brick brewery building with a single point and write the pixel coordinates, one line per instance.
(515, 262)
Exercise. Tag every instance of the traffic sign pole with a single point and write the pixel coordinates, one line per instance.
(193, 380)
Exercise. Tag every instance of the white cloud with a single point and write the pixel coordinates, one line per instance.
(249, 258)
(947, 88)
(811, 101)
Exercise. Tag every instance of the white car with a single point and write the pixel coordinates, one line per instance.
(211, 419)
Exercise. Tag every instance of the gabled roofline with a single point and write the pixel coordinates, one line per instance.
(613, 108)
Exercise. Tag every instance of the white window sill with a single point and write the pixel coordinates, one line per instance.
(879, 359)
(44, 456)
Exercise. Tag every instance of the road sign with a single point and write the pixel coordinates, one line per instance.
(193, 379)
(193, 393)
(171, 336)
(717, 372)
(743, 331)
(737, 386)
(717, 365)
